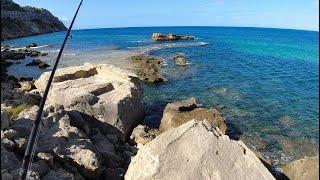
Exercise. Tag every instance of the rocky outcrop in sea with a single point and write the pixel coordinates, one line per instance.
(17, 21)
(149, 69)
(170, 37)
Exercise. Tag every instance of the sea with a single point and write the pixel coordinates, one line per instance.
(264, 81)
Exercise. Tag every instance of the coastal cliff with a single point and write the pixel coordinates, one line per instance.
(17, 21)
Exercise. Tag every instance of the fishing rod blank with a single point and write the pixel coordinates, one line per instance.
(27, 159)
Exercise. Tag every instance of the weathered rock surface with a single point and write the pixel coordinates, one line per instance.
(59, 174)
(195, 150)
(69, 143)
(180, 112)
(5, 119)
(32, 98)
(142, 134)
(27, 85)
(8, 160)
(170, 37)
(148, 68)
(19, 21)
(109, 94)
(180, 59)
(303, 169)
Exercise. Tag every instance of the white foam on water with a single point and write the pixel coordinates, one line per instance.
(69, 54)
(39, 47)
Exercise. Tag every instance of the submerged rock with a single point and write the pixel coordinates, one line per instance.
(31, 45)
(180, 112)
(12, 55)
(108, 94)
(148, 68)
(39, 63)
(306, 168)
(170, 37)
(195, 150)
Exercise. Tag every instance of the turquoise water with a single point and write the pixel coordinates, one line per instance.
(264, 81)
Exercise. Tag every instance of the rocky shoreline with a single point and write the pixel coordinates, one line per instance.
(93, 128)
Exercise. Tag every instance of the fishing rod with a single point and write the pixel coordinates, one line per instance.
(30, 150)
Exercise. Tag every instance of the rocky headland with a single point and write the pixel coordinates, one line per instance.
(17, 21)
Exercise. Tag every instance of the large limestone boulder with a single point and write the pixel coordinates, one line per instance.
(180, 112)
(303, 169)
(195, 150)
(109, 94)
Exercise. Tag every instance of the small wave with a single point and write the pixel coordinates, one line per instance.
(155, 47)
(13, 48)
(39, 47)
(69, 54)
(52, 51)
(203, 43)
(138, 41)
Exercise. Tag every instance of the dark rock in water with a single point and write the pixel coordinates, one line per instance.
(29, 52)
(170, 37)
(18, 56)
(43, 65)
(33, 53)
(17, 21)
(44, 54)
(39, 63)
(34, 62)
(31, 45)
(180, 59)
(149, 68)
(11, 54)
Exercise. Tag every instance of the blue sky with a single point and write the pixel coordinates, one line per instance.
(292, 14)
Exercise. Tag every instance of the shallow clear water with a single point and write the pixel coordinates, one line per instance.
(264, 81)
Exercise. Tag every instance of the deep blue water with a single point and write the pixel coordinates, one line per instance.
(264, 81)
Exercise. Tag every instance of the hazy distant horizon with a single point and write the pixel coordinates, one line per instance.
(198, 26)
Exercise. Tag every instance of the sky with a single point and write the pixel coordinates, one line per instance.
(289, 14)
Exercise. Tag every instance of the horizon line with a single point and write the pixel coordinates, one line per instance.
(261, 27)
